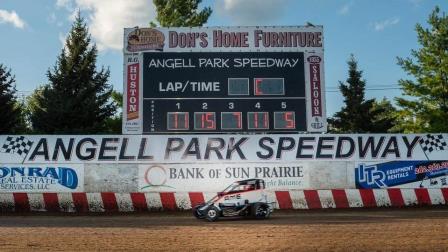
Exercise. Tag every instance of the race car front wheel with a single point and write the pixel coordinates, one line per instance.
(260, 211)
(197, 213)
(212, 213)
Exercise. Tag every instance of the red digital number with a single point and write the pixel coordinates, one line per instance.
(177, 121)
(289, 119)
(238, 117)
(257, 87)
(207, 121)
(263, 120)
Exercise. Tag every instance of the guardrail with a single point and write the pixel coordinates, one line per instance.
(170, 201)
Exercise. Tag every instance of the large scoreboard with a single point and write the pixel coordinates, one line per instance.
(197, 80)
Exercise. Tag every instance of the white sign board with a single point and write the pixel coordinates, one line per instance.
(216, 177)
(156, 149)
(41, 178)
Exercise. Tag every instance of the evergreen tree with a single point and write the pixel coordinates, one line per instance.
(384, 117)
(180, 13)
(114, 123)
(77, 97)
(358, 115)
(11, 119)
(427, 110)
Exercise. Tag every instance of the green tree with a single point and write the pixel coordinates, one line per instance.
(77, 97)
(11, 119)
(359, 115)
(114, 123)
(384, 117)
(427, 108)
(180, 13)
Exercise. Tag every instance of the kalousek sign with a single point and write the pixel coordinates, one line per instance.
(221, 148)
(223, 80)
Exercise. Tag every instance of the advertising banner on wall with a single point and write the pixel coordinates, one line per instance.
(37, 149)
(41, 178)
(402, 174)
(216, 177)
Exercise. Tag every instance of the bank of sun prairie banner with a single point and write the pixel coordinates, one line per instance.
(43, 149)
(216, 177)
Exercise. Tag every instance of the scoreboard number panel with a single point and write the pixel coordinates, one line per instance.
(177, 121)
(204, 121)
(269, 86)
(258, 120)
(284, 120)
(231, 120)
(238, 86)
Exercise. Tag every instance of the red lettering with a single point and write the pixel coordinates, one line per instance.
(132, 104)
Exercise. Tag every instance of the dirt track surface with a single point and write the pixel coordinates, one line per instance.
(330, 230)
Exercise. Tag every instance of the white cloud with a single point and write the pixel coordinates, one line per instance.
(251, 12)
(67, 4)
(107, 19)
(72, 16)
(381, 25)
(345, 9)
(11, 17)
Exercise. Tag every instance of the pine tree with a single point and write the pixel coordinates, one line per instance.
(427, 110)
(114, 123)
(180, 13)
(384, 117)
(359, 115)
(77, 97)
(11, 119)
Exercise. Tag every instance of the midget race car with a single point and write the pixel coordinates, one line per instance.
(241, 198)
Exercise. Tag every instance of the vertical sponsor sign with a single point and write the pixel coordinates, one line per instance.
(315, 102)
(135, 41)
(132, 103)
(316, 94)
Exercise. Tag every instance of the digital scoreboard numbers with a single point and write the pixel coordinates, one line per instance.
(231, 120)
(178, 121)
(284, 120)
(269, 86)
(216, 92)
(204, 121)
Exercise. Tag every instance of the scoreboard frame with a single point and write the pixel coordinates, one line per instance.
(307, 40)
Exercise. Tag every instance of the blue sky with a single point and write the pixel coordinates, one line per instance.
(376, 32)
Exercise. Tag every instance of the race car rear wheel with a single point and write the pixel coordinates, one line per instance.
(212, 213)
(260, 211)
(198, 213)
